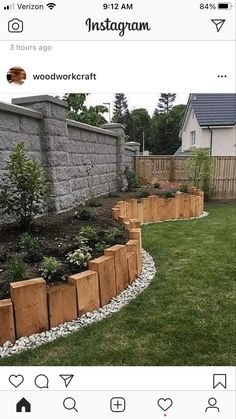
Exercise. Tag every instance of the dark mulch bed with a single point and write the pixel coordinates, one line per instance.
(52, 230)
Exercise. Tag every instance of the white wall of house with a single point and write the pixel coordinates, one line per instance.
(223, 142)
(202, 138)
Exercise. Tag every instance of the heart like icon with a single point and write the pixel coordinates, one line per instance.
(165, 404)
(16, 380)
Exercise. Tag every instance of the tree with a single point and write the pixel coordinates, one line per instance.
(78, 111)
(24, 191)
(140, 123)
(165, 103)
(200, 168)
(165, 129)
(120, 110)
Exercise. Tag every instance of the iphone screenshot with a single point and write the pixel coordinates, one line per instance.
(117, 209)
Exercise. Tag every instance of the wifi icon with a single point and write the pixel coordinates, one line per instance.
(51, 5)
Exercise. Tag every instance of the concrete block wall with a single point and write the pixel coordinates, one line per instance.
(79, 159)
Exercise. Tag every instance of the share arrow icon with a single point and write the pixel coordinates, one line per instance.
(219, 23)
(67, 378)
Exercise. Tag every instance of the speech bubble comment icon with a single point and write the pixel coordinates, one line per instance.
(165, 404)
(41, 381)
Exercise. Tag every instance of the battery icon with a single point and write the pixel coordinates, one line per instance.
(227, 6)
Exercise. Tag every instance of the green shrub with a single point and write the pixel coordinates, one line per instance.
(201, 169)
(132, 179)
(80, 257)
(183, 188)
(84, 214)
(93, 202)
(17, 270)
(24, 191)
(32, 248)
(100, 247)
(111, 235)
(90, 233)
(170, 193)
(143, 194)
(52, 268)
(80, 241)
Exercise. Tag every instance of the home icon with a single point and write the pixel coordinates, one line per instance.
(23, 406)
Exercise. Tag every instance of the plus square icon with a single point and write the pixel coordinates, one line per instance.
(117, 404)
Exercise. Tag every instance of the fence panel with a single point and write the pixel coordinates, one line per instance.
(174, 169)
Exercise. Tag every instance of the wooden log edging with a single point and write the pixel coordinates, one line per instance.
(156, 209)
(35, 308)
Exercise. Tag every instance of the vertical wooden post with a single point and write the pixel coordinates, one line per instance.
(7, 327)
(172, 169)
(30, 306)
(140, 212)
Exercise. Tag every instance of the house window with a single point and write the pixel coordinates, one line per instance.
(192, 137)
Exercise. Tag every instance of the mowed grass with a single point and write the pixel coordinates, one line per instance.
(185, 317)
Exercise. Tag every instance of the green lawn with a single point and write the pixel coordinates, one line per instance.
(185, 317)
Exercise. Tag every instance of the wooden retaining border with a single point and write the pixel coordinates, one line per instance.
(35, 308)
(155, 208)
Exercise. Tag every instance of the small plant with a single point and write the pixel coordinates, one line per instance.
(80, 257)
(93, 202)
(183, 188)
(51, 268)
(80, 241)
(170, 193)
(132, 179)
(24, 191)
(84, 214)
(17, 270)
(32, 248)
(143, 194)
(111, 235)
(90, 233)
(100, 247)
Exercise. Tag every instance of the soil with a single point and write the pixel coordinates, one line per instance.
(54, 229)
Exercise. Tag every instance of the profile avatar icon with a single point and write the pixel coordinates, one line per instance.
(212, 405)
(16, 76)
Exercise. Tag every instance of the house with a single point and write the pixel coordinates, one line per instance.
(209, 122)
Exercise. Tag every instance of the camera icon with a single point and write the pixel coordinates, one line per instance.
(15, 25)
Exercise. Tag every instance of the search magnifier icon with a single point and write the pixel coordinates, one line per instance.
(70, 404)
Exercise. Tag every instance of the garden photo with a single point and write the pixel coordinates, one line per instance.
(118, 229)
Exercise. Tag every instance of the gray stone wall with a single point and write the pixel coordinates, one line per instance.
(79, 160)
(129, 157)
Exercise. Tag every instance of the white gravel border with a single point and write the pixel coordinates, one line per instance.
(116, 304)
(203, 215)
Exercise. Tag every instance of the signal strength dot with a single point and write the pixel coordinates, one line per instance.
(51, 5)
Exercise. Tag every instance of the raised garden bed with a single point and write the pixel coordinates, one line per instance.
(37, 307)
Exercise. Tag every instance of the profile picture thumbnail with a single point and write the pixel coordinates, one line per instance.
(16, 76)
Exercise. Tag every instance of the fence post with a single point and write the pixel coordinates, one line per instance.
(172, 170)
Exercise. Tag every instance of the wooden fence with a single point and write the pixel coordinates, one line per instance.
(174, 169)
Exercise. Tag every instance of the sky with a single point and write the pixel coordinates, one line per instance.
(135, 100)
